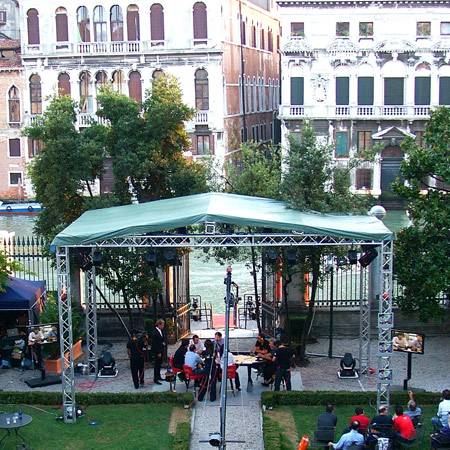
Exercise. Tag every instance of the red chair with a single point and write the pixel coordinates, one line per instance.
(231, 375)
(189, 374)
(175, 370)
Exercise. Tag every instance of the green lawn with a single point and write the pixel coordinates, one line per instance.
(305, 418)
(132, 426)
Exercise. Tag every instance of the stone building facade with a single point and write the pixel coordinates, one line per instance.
(365, 72)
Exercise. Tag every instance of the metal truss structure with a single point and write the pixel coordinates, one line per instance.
(293, 239)
(364, 322)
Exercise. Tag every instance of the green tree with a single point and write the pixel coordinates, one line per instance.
(146, 143)
(66, 166)
(313, 180)
(7, 268)
(422, 251)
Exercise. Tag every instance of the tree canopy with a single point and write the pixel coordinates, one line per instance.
(422, 251)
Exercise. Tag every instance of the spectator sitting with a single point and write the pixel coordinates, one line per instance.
(326, 424)
(193, 360)
(442, 437)
(353, 437)
(403, 426)
(373, 436)
(443, 412)
(383, 417)
(413, 411)
(199, 347)
(361, 418)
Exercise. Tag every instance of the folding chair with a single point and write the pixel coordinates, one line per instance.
(175, 370)
(189, 374)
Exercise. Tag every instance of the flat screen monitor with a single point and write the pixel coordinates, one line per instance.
(409, 342)
(49, 330)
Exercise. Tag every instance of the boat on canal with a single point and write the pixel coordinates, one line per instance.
(20, 208)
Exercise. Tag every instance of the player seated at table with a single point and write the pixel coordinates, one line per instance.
(261, 346)
(52, 335)
(35, 335)
(178, 357)
(231, 362)
(399, 341)
(194, 360)
(269, 368)
(199, 347)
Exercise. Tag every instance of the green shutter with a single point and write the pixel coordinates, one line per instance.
(297, 87)
(342, 88)
(365, 90)
(444, 90)
(393, 91)
(341, 143)
(422, 91)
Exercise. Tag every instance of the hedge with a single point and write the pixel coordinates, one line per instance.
(316, 398)
(97, 398)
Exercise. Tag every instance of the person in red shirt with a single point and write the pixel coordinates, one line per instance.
(361, 418)
(403, 426)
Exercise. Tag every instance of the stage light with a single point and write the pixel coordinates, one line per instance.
(151, 256)
(215, 439)
(368, 256)
(97, 258)
(291, 256)
(210, 227)
(352, 256)
(341, 261)
(272, 255)
(169, 254)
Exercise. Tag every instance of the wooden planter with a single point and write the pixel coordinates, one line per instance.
(53, 365)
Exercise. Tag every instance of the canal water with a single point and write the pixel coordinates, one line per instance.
(206, 278)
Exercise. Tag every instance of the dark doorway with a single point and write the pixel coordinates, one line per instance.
(391, 159)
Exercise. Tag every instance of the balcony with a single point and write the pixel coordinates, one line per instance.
(85, 119)
(355, 112)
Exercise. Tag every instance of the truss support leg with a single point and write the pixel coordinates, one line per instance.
(91, 322)
(364, 323)
(65, 333)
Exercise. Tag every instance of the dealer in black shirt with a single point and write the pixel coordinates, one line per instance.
(135, 351)
(282, 358)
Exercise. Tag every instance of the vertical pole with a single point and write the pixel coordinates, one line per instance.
(330, 344)
(223, 405)
(408, 373)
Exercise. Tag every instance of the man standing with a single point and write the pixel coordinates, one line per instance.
(282, 358)
(218, 343)
(135, 352)
(443, 412)
(158, 346)
(353, 437)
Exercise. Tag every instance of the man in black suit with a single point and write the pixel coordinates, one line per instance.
(158, 347)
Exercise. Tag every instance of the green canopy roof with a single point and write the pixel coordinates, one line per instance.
(130, 220)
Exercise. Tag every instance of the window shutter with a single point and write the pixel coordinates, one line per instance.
(14, 147)
(135, 86)
(133, 25)
(157, 23)
(342, 86)
(365, 90)
(33, 27)
(444, 90)
(341, 144)
(62, 33)
(422, 91)
(297, 89)
(393, 91)
(64, 84)
(200, 21)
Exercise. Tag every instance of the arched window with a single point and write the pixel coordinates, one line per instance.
(100, 80)
(201, 90)
(14, 104)
(62, 31)
(35, 94)
(135, 86)
(255, 95)
(99, 24)
(33, 27)
(200, 23)
(156, 22)
(84, 27)
(64, 84)
(86, 92)
(270, 95)
(118, 81)
(249, 95)
(241, 103)
(157, 73)
(116, 19)
(133, 23)
(263, 94)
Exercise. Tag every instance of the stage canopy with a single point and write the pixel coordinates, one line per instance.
(163, 215)
(21, 295)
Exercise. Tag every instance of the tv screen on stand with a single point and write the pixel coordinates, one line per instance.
(408, 342)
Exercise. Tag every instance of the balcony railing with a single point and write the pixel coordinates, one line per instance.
(354, 112)
(85, 119)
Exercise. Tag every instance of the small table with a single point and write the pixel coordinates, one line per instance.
(170, 377)
(249, 361)
(10, 422)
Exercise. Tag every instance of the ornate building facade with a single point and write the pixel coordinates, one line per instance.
(365, 72)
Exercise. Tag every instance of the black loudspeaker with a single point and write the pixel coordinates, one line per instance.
(291, 256)
(151, 256)
(97, 258)
(272, 255)
(368, 257)
(352, 256)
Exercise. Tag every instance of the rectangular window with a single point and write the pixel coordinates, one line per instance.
(364, 140)
(444, 90)
(244, 134)
(342, 28)
(15, 178)
(363, 179)
(423, 28)
(422, 91)
(297, 29)
(445, 28)
(341, 144)
(2, 17)
(419, 138)
(297, 89)
(261, 132)
(203, 144)
(34, 147)
(365, 29)
(14, 148)
(393, 91)
(342, 90)
(365, 90)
